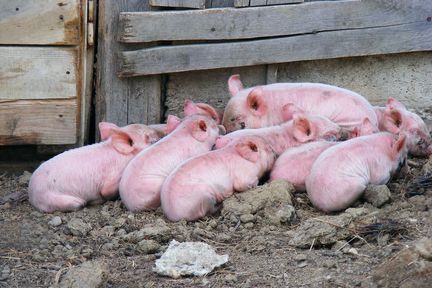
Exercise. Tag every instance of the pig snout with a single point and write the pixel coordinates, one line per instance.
(344, 134)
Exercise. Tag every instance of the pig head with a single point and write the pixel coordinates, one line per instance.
(395, 118)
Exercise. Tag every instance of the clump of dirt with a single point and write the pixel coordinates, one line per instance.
(273, 236)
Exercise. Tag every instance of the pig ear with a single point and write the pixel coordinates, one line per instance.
(255, 102)
(393, 103)
(172, 123)
(105, 129)
(367, 128)
(234, 85)
(248, 150)
(289, 110)
(222, 142)
(302, 128)
(123, 142)
(398, 146)
(199, 130)
(210, 111)
(393, 120)
(189, 108)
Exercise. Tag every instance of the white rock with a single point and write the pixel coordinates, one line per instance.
(188, 258)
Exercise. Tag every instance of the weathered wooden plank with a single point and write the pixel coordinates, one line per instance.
(114, 97)
(198, 4)
(332, 44)
(38, 72)
(258, 2)
(272, 73)
(38, 122)
(47, 22)
(269, 21)
(241, 3)
(221, 3)
(278, 2)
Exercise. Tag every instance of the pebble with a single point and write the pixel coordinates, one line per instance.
(55, 221)
(246, 218)
(78, 227)
(377, 195)
(424, 248)
(4, 273)
(148, 246)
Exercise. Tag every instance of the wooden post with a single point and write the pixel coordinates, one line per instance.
(122, 101)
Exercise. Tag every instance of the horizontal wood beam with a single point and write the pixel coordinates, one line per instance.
(332, 44)
(40, 22)
(198, 4)
(38, 122)
(38, 72)
(269, 21)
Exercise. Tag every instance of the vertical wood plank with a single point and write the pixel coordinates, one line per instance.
(221, 3)
(272, 73)
(119, 100)
(241, 3)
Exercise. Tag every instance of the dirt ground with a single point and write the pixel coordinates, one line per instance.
(274, 238)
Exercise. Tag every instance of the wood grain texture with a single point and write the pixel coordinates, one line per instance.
(269, 21)
(40, 22)
(38, 72)
(198, 4)
(241, 3)
(122, 101)
(38, 122)
(332, 44)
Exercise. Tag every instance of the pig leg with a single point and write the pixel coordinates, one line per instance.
(110, 189)
(63, 203)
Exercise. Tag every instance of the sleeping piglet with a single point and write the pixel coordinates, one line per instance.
(295, 164)
(143, 177)
(341, 173)
(396, 118)
(273, 104)
(89, 174)
(195, 188)
(302, 129)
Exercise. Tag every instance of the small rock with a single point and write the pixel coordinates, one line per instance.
(188, 258)
(213, 223)
(91, 274)
(249, 225)
(302, 264)
(24, 178)
(424, 248)
(300, 257)
(246, 218)
(148, 246)
(4, 273)
(55, 221)
(377, 195)
(119, 222)
(5, 206)
(231, 278)
(352, 251)
(286, 214)
(78, 227)
(222, 237)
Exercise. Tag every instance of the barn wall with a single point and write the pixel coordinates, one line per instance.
(403, 76)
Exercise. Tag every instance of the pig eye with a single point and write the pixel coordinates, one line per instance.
(242, 125)
(421, 142)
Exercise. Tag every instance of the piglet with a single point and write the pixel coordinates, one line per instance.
(143, 177)
(89, 174)
(302, 129)
(274, 104)
(194, 188)
(341, 173)
(295, 164)
(396, 118)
